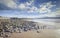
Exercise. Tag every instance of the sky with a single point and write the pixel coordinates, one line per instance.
(30, 8)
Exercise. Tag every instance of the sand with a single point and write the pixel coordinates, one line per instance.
(33, 34)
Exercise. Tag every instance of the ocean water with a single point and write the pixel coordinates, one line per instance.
(48, 20)
(45, 20)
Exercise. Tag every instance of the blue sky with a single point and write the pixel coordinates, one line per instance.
(30, 8)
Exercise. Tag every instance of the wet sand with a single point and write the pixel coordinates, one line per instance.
(33, 34)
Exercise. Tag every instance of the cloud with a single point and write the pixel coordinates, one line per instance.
(9, 3)
(12, 4)
(32, 9)
(22, 6)
(46, 7)
(28, 6)
(4, 7)
(27, 3)
(43, 10)
(57, 13)
(53, 14)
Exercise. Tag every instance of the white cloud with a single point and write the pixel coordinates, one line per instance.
(57, 13)
(27, 3)
(12, 4)
(22, 6)
(53, 14)
(9, 3)
(30, 8)
(45, 8)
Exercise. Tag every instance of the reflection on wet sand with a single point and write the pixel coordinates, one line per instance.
(33, 34)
